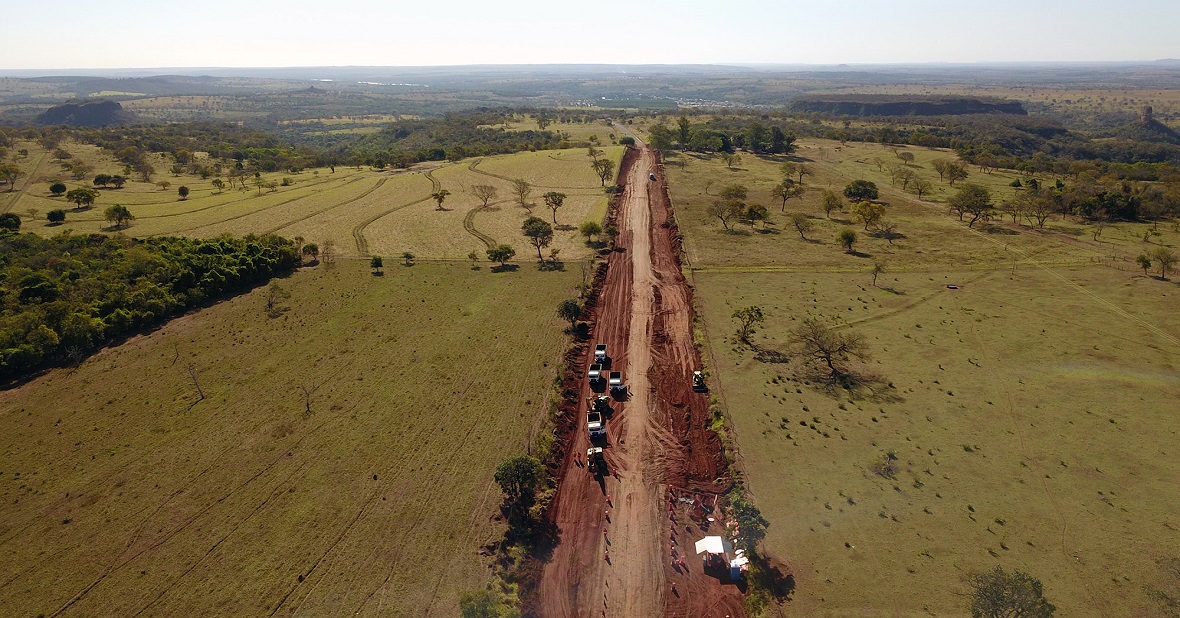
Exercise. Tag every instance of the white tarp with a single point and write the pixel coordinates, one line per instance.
(711, 544)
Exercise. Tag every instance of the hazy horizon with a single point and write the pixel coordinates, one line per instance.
(137, 34)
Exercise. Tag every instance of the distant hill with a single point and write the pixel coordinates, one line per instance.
(901, 105)
(1148, 129)
(89, 113)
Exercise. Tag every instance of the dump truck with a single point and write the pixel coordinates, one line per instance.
(616, 381)
(698, 382)
(595, 373)
(600, 354)
(595, 462)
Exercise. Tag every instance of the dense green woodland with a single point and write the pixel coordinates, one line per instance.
(62, 298)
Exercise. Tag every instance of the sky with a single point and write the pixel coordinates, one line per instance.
(271, 33)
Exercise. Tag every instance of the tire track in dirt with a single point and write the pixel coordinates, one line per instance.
(474, 166)
(13, 199)
(358, 231)
(346, 202)
(469, 225)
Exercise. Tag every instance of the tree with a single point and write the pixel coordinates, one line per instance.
(82, 196)
(878, 268)
(56, 215)
(847, 238)
(996, 594)
(407, 258)
(868, 213)
(605, 168)
(145, 170)
(484, 193)
(570, 311)
(480, 604)
(861, 190)
(1165, 258)
(725, 210)
(182, 191)
(118, 180)
(102, 180)
(819, 342)
(660, 137)
(440, 196)
(971, 199)
(734, 192)
(1144, 262)
(780, 142)
(539, 234)
(522, 189)
(1012, 208)
(501, 254)
(802, 170)
(312, 250)
(685, 129)
(748, 318)
(57, 188)
(590, 229)
(732, 159)
(118, 215)
(10, 222)
(831, 201)
(888, 230)
(218, 184)
(802, 224)
(786, 190)
(11, 173)
(328, 253)
(474, 257)
(376, 263)
(163, 184)
(756, 134)
(921, 186)
(751, 524)
(906, 157)
(1037, 205)
(275, 295)
(940, 166)
(554, 200)
(955, 171)
(519, 476)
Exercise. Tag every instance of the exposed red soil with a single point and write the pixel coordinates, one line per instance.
(618, 539)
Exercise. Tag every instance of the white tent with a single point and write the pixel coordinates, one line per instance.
(713, 545)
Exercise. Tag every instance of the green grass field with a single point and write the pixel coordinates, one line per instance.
(1030, 415)
(363, 212)
(340, 464)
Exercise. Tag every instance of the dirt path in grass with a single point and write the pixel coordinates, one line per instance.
(617, 536)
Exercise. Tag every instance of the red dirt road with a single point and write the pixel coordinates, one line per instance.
(618, 539)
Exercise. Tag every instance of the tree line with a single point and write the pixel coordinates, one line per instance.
(62, 298)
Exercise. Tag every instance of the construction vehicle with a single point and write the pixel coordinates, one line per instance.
(595, 462)
(698, 382)
(651, 176)
(616, 381)
(595, 373)
(600, 356)
(594, 424)
(601, 403)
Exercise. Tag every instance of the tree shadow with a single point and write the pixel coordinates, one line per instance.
(814, 241)
(736, 232)
(769, 230)
(859, 254)
(842, 221)
(893, 290)
(992, 228)
(505, 268)
(564, 227)
(551, 265)
(767, 355)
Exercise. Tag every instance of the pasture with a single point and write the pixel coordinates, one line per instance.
(1031, 419)
(340, 462)
(361, 211)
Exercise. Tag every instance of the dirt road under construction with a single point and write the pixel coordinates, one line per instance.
(625, 539)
